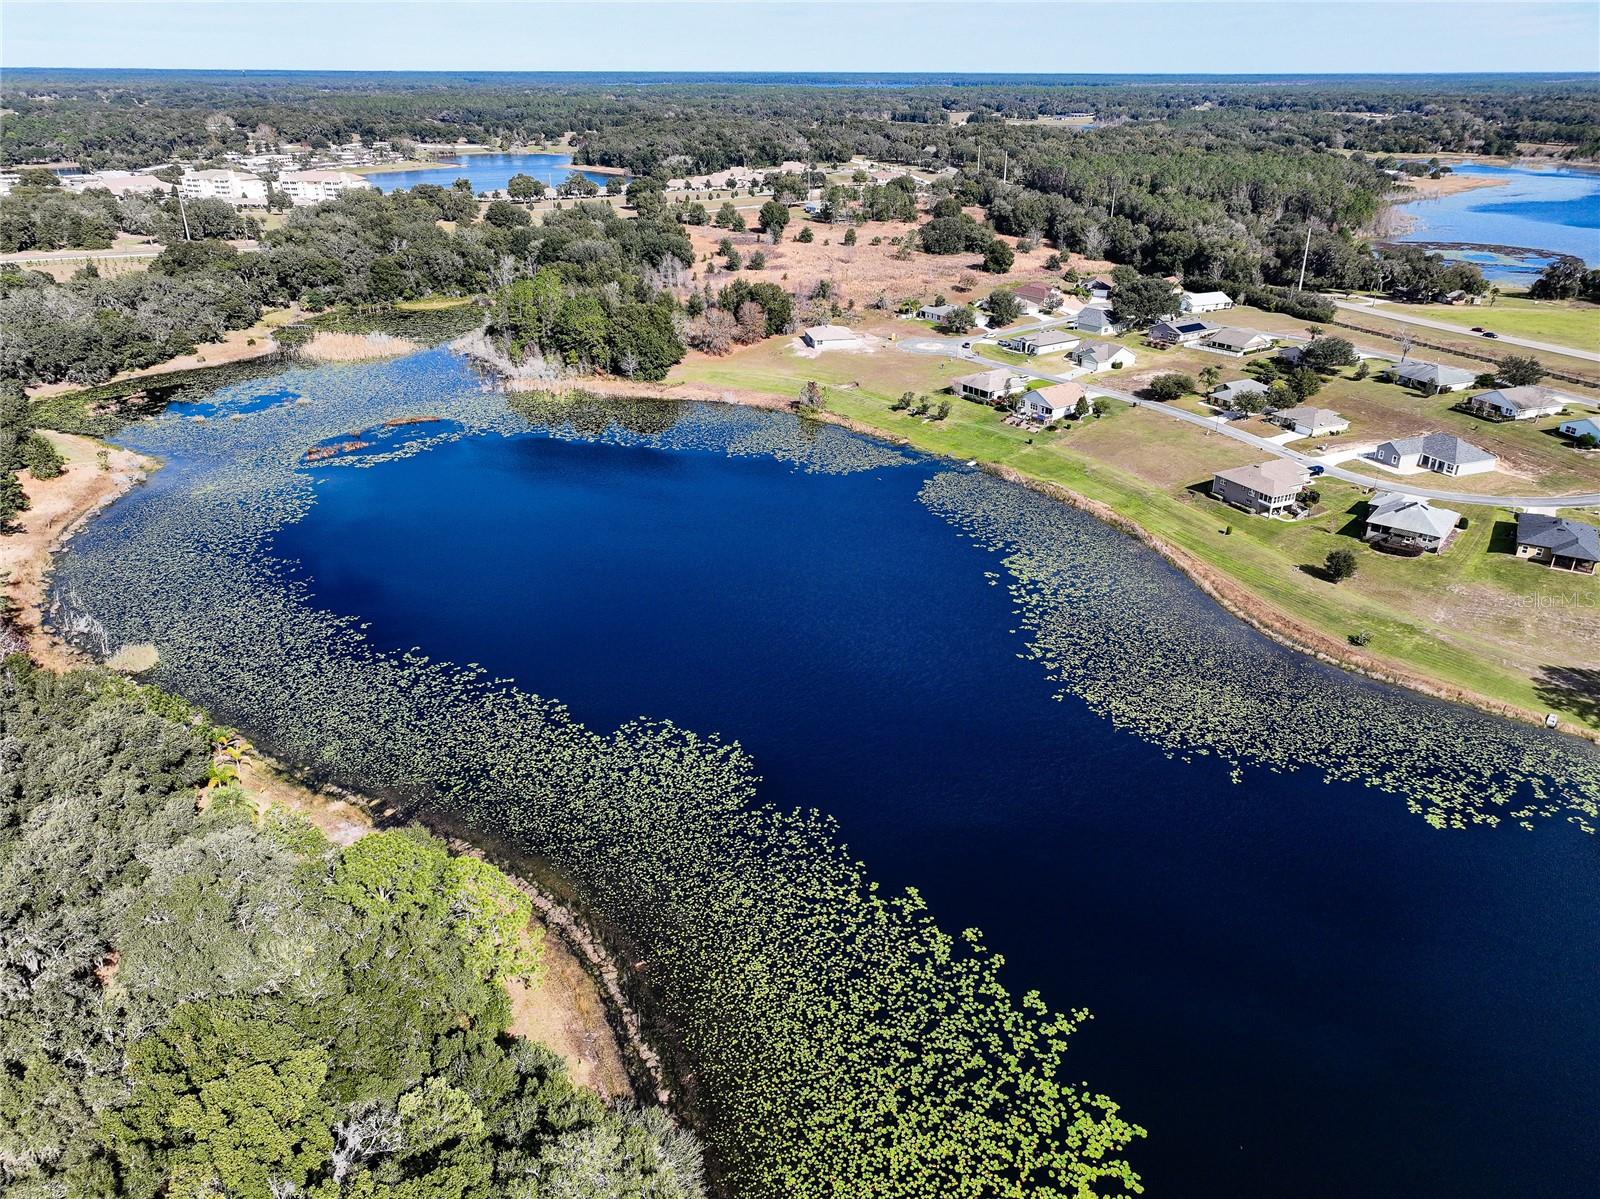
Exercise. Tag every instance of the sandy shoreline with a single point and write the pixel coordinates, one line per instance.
(579, 1006)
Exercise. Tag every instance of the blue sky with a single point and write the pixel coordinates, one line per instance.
(1068, 36)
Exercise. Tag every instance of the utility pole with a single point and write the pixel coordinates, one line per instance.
(1005, 165)
(1305, 255)
(183, 212)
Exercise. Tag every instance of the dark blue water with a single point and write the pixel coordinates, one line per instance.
(1555, 209)
(1300, 989)
(487, 172)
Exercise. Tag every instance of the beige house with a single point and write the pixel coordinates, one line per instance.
(1056, 402)
(989, 387)
(832, 337)
(1266, 489)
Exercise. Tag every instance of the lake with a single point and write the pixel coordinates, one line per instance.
(1301, 984)
(487, 172)
(1554, 209)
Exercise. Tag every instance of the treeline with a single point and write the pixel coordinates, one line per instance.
(365, 248)
(201, 996)
(132, 118)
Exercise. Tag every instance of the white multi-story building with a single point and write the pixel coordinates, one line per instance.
(313, 187)
(231, 187)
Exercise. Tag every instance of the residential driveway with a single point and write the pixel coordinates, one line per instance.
(1392, 312)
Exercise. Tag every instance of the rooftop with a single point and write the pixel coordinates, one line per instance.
(1279, 476)
(1559, 535)
(1410, 514)
(1446, 447)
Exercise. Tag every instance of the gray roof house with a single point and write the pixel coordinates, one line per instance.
(935, 312)
(1096, 318)
(1103, 356)
(988, 386)
(1235, 341)
(1442, 453)
(1178, 331)
(1408, 522)
(1267, 488)
(1558, 542)
(1429, 376)
(1043, 341)
(1518, 403)
(1225, 395)
(1311, 422)
(832, 337)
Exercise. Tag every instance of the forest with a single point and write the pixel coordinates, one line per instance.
(191, 998)
(129, 118)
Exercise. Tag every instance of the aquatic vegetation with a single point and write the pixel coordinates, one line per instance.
(843, 1044)
(1099, 616)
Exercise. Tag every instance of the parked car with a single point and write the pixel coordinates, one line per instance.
(966, 345)
(1316, 470)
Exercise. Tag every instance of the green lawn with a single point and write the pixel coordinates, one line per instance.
(1563, 322)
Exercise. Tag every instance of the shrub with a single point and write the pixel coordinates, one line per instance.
(42, 458)
(1341, 565)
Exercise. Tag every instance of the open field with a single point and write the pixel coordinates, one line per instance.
(862, 273)
(1566, 322)
(1474, 618)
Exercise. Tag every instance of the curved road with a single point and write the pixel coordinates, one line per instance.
(1389, 313)
(950, 347)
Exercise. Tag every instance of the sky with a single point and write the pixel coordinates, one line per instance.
(1054, 36)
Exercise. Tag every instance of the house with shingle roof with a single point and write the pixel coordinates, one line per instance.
(1042, 341)
(1519, 403)
(1056, 402)
(989, 387)
(1204, 301)
(1267, 488)
(1308, 421)
(1035, 297)
(1429, 377)
(1178, 331)
(1557, 542)
(1097, 318)
(1409, 522)
(1239, 342)
(832, 337)
(1442, 453)
(1100, 287)
(1226, 395)
(1103, 356)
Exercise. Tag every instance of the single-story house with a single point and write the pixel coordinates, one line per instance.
(1311, 422)
(1442, 453)
(1236, 341)
(1266, 488)
(1579, 429)
(1096, 318)
(1056, 402)
(832, 337)
(989, 387)
(1103, 356)
(936, 312)
(1518, 403)
(1461, 297)
(1204, 301)
(1429, 377)
(1035, 297)
(1070, 306)
(1178, 331)
(1043, 341)
(1226, 395)
(1558, 542)
(1100, 287)
(1408, 520)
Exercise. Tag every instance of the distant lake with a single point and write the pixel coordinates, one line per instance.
(487, 172)
(1300, 986)
(1555, 209)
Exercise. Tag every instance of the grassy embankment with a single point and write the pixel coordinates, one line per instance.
(1475, 618)
(1560, 322)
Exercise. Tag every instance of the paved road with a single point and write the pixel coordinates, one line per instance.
(950, 347)
(1389, 312)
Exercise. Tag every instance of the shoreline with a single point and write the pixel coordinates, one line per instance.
(1265, 617)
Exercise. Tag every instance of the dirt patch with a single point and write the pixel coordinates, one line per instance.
(56, 508)
(859, 274)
